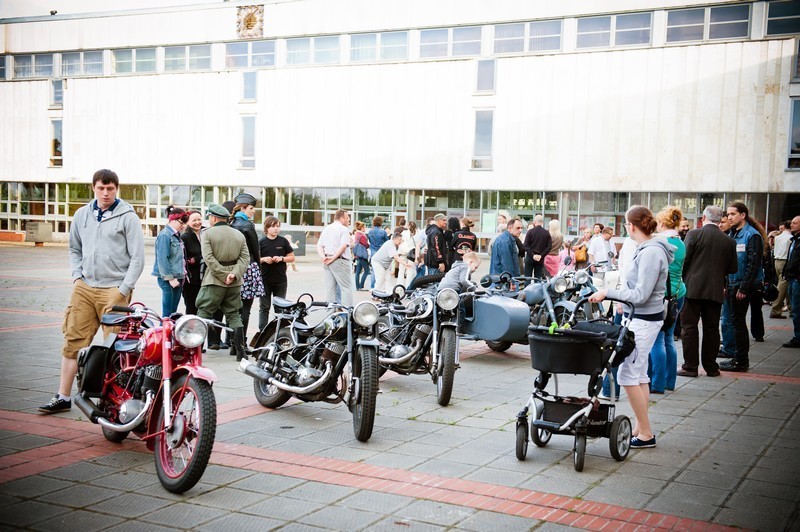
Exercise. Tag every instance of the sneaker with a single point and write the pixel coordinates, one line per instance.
(636, 443)
(734, 365)
(56, 405)
(791, 343)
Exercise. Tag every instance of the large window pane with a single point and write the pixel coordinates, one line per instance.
(55, 153)
(486, 75)
(146, 60)
(794, 143)
(509, 38)
(71, 64)
(200, 57)
(545, 35)
(122, 61)
(93, 63)
(326, 49)
(263, 53)
(23, 66)
(174, 58)
(236, 55)
(632, 29)
(685, 25)
(248, 142)
(594, 31)
(433, 43)
(298, 51)
(467, 41)
(783, 18)
(394, 45)
(729, 22)
(482, 151)
(363, 47)
(43, 65)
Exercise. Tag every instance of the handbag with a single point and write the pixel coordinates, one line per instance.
(670, 307)
(360, 251)
(580, 254)
(252, 284)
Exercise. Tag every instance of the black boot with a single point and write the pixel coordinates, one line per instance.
(735, 364)
(213, 338)
(239, 346)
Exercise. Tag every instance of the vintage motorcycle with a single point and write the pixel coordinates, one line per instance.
(420, 335)
(334, 360)
(148, 379)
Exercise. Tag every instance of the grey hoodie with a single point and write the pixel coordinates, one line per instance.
(646, 276)
(109, 253)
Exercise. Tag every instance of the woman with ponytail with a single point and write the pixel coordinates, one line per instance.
(169, 264)
(644, 287)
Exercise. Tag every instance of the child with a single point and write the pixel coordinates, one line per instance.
(457, 277)
(564, 253)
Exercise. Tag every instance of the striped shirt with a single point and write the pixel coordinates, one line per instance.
(333, 237)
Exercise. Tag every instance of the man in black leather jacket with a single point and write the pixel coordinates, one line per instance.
(791, 272)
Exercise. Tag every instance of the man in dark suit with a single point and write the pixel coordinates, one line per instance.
(710, 257)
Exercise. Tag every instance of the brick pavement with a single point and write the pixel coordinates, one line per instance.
(726, 456)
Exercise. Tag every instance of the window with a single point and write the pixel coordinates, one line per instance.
(540, 36)
(482, 150)
(388, 46)
(433, 43)
(783, 18)
(2, 68)
(253, 54)
(794, 142)
(55, 152)
(486, 75)
(436, 43)
(723, 22)
(323, 50)
(57, 93)
(33, 66)
(82, 64)
(175, 58)
(618, 30)
(249, 81)
(248, 159)
(134, 60)
(466, 41)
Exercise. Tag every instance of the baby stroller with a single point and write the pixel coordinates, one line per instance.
(582, 348)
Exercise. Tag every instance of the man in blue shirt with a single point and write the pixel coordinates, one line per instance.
(376, 236)
(505, 254)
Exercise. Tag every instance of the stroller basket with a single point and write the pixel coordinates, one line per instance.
(599, 419)
(585, 349)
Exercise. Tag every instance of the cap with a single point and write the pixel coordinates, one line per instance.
(229, 205)
(467, 222)
(438, 217)
(245, 198)
(217, 210)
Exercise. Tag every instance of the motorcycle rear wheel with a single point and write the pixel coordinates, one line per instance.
(447, 361)
(182, 455)
(269, 395)
(365, 367)
(500, 347)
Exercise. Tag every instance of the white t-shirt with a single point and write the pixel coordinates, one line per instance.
(383, 257)
(599, 247)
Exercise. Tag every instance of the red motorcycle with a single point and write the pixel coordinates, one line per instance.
(148, 379)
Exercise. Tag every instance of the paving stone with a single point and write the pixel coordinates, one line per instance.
(128, 480)
(283, 508)
(318, 492)
(78, 520)
(435, 513)
(445, 468)
(241, 523)
(125, 459)
(619, 494)
(33, 486)
(24, 442)
(341, 518)
(130, 525)
(683, 508)
(228, 498)
(27, 513)
(182, 515)
(220, 475)
(81, 472)
(78, 496)
(755, 512)
(129, 505)
(482, 520)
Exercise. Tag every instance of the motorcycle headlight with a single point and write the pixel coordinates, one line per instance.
(447, 299)
(365, 314)
(190, 331)
(559, 285)
(581, 277)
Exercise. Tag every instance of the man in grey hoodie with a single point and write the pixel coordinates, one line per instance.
(106, 256)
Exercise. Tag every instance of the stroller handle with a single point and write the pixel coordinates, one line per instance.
(583, 300)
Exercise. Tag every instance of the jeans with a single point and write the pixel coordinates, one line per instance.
(170, 297)
(738, 311)
(793, 291)
(728, 340)
(362, 269)
(664, 359)
(756, 315)
(265, 302)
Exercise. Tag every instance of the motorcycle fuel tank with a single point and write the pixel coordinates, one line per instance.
(498, 318)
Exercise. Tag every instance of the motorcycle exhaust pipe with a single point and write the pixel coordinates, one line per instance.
(251, 370)
(132, 424)
(88, 408)
(402, 359)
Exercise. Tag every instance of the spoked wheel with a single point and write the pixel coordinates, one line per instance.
(540, 437)
(579, 452)
(269, 395)
(447, 361)
(522, 439)
(182, 452)
(365, 369)
(619, 439)
(500, 347)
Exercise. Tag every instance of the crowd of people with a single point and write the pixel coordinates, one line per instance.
(717, 273)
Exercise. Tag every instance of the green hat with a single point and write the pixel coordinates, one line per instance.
(217, 210)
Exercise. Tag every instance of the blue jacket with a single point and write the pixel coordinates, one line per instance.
(749, 254)
(376, 236)
(169, 255)
(505, 255)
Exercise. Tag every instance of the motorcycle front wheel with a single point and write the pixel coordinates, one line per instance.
(447, 361)
(365, 369)
(500, 347)
(182, 453)
(269, 395)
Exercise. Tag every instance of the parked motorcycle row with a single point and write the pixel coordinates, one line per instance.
(149, 379)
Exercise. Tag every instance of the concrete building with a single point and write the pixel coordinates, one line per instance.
(573, 109)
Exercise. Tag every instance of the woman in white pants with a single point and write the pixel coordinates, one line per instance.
(644, 287)
(382, 260)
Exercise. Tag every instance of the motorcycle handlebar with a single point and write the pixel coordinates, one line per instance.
(583, 300)
(318, 304)
(119, 308)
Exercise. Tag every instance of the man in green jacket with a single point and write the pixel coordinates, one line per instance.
(226, 257)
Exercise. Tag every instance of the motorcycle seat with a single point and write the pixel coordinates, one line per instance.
(384, 296)
(113, 319)
(281, 303)
(303, 327)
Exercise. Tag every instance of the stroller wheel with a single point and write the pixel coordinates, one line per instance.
(579, 452)
(522, 440)
(619, 438)
(540, 437)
